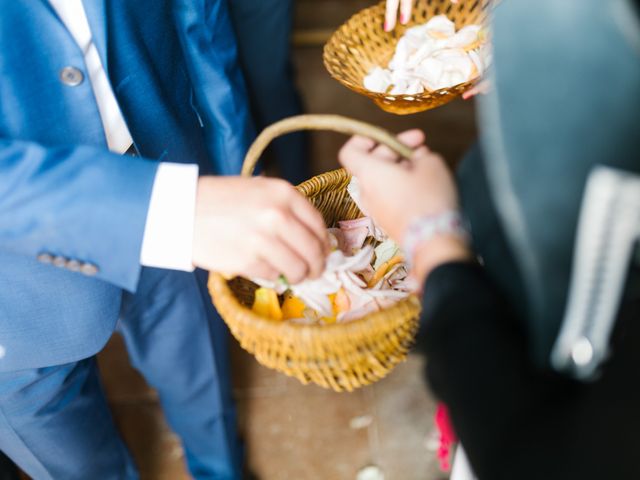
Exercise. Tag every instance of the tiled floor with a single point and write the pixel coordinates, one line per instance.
(292, 432)
(297, 432)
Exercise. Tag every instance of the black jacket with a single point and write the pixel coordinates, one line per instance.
(517, 423)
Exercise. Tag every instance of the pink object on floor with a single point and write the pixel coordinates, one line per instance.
(447, 436)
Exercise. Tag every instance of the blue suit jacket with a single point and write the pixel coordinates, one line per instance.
(172, 65)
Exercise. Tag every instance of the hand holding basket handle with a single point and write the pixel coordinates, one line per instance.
(399, 194)
(335, 123)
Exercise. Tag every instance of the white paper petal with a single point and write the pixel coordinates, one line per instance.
(465, 37)
(378, 80)
(440, 24)
(477, 61)
(385, 252)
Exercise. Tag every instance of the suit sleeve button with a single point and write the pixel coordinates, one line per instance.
(45, 258)
(88, 269)
(59, 261)
(74, 265)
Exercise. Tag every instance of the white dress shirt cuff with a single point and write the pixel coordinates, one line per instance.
(168, 232)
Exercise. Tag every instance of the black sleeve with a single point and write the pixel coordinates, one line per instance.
(514, 422)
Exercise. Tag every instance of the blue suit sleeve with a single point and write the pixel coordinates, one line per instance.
(81, 203)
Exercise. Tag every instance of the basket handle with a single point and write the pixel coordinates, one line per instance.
(336, 123)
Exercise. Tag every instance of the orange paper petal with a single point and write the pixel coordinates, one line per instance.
(266, 304)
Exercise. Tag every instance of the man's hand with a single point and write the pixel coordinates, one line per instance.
(257, 227)
(395, 194)
(405, 13)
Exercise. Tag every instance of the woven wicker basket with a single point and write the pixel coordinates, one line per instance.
(361, 44)
(341, 356)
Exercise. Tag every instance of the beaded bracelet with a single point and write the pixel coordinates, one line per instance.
(425, 228)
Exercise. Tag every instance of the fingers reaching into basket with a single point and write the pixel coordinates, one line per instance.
(396, 194)
(404, 7)
(257, 227)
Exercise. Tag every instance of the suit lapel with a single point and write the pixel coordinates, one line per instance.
(49, 7)
(96, 15)
(95, 10)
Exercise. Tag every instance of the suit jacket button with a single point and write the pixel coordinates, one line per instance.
(59, 261)
(74, 265)
(88, 269)
(45, 258)
(71, 76)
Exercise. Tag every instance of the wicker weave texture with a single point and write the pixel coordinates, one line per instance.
(341, 356)
(361, 44)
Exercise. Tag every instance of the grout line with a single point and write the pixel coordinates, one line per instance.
(373, 435)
